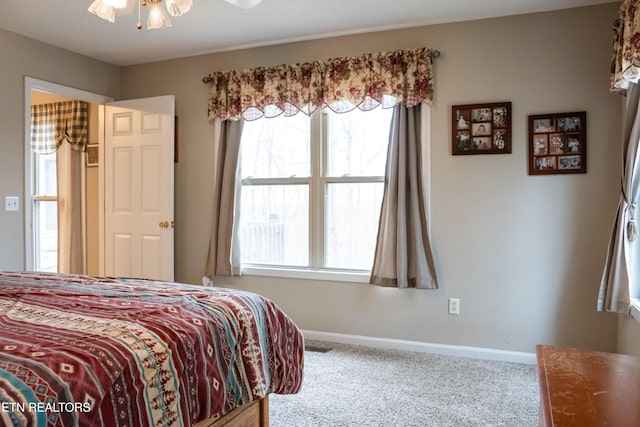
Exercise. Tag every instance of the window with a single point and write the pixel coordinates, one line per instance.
(45, 213)
(312, 189)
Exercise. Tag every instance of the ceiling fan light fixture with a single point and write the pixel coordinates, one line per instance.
(102, 9)
(158, 17)
(178, 7)
(118, 4)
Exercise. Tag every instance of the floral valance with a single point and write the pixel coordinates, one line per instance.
(339, 84)
(625, 61)
(52, 124)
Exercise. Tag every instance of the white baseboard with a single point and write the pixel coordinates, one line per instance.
(422, 347)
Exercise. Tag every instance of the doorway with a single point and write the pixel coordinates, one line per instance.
(39, 91)
(134, 199)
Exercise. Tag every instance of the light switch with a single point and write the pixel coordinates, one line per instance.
(11, 203)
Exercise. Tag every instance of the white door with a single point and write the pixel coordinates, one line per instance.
(138, 188)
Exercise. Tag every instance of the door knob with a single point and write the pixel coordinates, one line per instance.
(164, 225)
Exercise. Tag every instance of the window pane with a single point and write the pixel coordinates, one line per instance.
(46, 174)
(274, 225)
(353, 212)
(46, 235)
(357, 142)
(277, 147)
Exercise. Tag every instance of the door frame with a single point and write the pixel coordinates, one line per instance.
(30, 84)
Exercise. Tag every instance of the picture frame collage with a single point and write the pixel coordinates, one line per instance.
(557, 143)
(481, 128)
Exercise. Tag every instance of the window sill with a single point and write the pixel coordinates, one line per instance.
(635, 309)
(293, 273)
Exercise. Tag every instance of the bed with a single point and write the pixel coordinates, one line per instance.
(87, 351)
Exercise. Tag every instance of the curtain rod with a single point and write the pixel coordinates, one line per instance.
(434, 54)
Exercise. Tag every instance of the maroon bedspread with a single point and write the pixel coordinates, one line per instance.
(85, 351)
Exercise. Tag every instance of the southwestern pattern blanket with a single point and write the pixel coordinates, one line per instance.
(86, 351)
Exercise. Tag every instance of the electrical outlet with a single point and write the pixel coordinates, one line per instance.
(11, 203)
(454, 306)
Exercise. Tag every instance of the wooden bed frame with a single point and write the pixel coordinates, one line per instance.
(254, 414)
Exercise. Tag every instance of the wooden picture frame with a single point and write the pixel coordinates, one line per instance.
(481, 128)
(558, 143)
(93, 155)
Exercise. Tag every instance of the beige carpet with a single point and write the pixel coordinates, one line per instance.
(360, 386)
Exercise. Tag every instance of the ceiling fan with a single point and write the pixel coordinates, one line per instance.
(157, 16)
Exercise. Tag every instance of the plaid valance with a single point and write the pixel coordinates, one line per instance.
(339, 84)
(52, 124)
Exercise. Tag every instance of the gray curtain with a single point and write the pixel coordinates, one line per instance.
(403, 255)
(71, 224)
(224, 252)
(619, 280)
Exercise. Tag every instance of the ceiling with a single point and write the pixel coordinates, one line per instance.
(215, 25)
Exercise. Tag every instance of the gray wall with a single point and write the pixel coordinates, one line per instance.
(524, 254)
(629, 336)
(25, 57)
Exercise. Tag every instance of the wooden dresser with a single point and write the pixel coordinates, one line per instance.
(586, 388)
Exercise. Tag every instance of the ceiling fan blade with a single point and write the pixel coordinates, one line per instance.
(245, 4)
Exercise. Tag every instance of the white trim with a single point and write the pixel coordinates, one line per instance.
(309, 274)
(101, 184)
(635, 309)
(67, 91)
(423, 347)
(30, 84)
